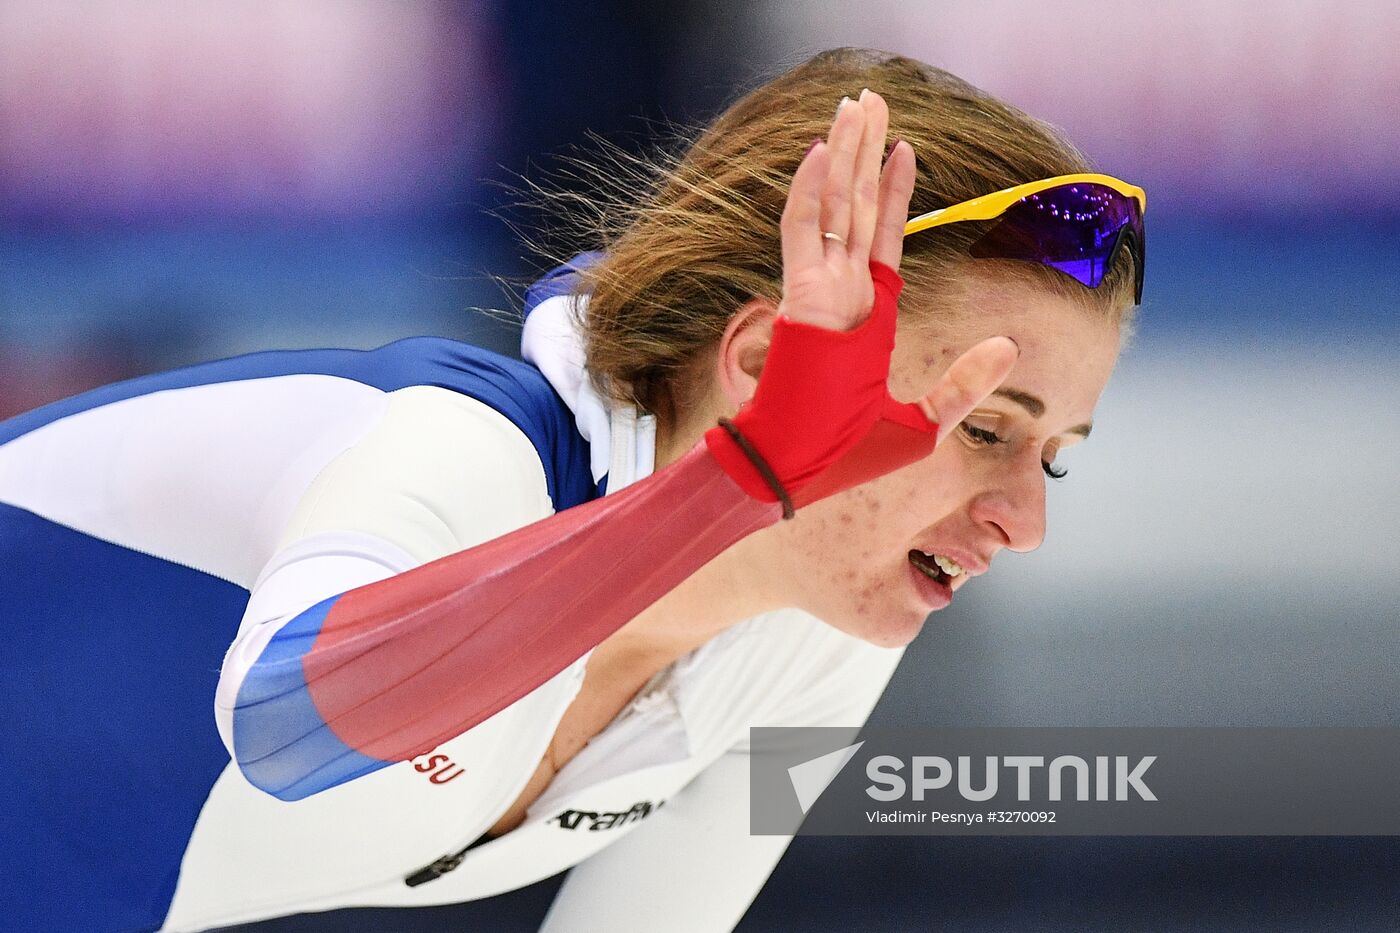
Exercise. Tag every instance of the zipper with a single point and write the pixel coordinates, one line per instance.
(436, 869)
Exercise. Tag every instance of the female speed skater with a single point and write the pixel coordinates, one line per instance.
(305, 630)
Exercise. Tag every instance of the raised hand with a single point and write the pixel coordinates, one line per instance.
(842, 188)
(821, 419)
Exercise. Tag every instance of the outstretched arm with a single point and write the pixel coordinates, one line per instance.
(389, 670)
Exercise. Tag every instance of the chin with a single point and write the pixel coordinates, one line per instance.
(894, 627)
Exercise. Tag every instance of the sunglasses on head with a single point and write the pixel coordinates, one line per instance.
(1073, 223)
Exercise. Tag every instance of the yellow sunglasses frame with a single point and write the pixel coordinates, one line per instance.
(990, 206)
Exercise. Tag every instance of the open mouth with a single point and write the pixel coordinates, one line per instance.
(936, 567)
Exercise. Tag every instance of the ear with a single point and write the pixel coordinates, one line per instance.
(742, 351)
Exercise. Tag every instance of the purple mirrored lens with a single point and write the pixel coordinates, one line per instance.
(1074, 228)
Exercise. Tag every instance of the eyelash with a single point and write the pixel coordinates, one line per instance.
(983, 436)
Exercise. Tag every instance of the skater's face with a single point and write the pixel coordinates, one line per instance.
(854, 559)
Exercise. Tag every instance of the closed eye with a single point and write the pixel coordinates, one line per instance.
(990, 438)
(982, 435)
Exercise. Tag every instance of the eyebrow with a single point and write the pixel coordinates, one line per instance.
(1036, 408)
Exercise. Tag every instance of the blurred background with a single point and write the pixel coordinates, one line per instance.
(182, 181)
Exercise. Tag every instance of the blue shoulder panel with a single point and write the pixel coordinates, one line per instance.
(561, 280)
(514, 388)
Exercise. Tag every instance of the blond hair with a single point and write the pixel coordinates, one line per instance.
(691, 237)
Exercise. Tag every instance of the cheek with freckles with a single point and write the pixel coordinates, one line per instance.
(851, 552)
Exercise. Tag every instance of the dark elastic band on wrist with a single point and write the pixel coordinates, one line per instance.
(761, 465)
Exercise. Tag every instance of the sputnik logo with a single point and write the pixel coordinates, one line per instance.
(810, 778)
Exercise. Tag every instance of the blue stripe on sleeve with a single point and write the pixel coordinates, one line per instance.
(280, 741)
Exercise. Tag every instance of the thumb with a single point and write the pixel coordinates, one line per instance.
(972, 377)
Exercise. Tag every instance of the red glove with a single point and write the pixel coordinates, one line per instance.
(822, 420)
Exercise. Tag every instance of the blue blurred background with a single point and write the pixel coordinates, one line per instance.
(185, 181)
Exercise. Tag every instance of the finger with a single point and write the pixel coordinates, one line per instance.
(896, 188)
(866, 180)
(801, 223)
(843, 140)
(972, 377)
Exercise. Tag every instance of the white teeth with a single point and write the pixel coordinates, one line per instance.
(949, 566)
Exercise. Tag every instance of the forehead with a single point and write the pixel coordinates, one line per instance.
(1068, 349)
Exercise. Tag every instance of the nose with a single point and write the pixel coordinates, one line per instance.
(1014, 507)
